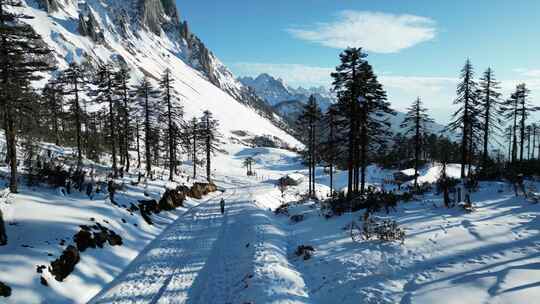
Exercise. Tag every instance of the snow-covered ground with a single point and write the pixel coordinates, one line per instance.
(41, 222)
(449, 256)
(247, 255)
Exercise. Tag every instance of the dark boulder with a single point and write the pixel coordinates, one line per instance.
(65, 264)
(100, 237)
(3, 235)
(43, 281)
(198, 190)
(83, 239)
(171, 200)
(5, 291)
(304, 251)
(114, 239)
(297, 218)
(147, 208)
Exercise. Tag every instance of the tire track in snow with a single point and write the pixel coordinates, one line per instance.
(179, 251)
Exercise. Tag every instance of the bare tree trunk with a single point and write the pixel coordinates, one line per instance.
(194, 154)
(12, 151)
(147, 134)
(78, 123)
(113, 137)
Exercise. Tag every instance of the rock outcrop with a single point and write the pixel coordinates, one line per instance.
(172, 199)
(152, 15)
(198, 190)
(96, 236)
(65, 264)
(88, 26)
(48, 5)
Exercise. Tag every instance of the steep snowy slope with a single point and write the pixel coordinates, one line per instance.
(149, 36)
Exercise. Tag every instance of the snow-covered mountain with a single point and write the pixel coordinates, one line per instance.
(288, 101)
(150, 36)
(285, 99)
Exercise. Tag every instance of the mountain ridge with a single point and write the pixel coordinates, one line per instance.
(288, 101)
(150, 36)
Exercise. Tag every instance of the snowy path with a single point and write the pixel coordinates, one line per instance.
(206, 257)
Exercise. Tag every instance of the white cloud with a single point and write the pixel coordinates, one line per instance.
(529, 73)
(376, 32)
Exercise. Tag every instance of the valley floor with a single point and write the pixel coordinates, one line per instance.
(247, 255)
(206, 257)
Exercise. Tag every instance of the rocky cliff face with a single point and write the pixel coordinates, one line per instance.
(158, 22)
(161, 17)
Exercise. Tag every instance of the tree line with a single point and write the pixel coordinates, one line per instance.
(356, 131)
(95, 107)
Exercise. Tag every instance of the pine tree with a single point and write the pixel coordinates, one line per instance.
(248, 164)
(463, 118)
(146, 95)
(121, 86)
(489, 109)
(362, 101)
(54, 105)
(330, 145)
(172, 114)
(309, 121)
(373, 122)
(534, 130)
(192, 138)
(508, 135)
(345, 85)
(22, 56)
(524, 111)
(104, 93)
(211, 137)
(511, 108)
(417, 122)
(75, 84)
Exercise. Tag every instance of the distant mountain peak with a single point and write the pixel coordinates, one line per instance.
(275, 91)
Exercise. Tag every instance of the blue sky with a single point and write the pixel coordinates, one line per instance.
(416, 46)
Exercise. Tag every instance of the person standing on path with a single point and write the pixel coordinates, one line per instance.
(222, 205)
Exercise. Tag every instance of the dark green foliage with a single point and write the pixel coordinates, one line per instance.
(417, 122)
(211, 139)
(309, 121)
(172, 114)
(465, 119)
(74, 84)
(104, 93)
(383, 230)
(22, 56)
(373, 200)
(363, 105)
(145, 94)
(490, 111)
(446, 182)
